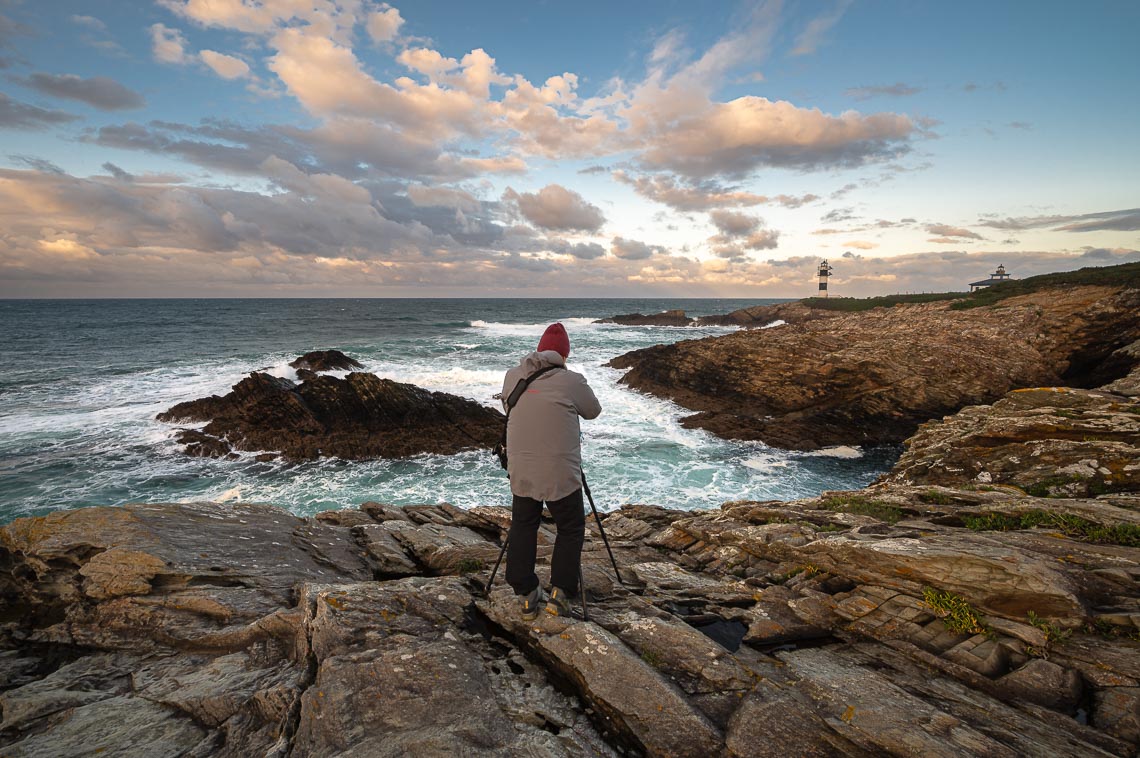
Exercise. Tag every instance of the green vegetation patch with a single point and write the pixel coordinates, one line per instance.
(958, 615)
(1066, 523)
(863, 506)
(934, 497)
(469, 565)
(1127, 274)
(1053, 633)
(853, 304)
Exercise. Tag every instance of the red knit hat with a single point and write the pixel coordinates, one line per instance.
(556, 339)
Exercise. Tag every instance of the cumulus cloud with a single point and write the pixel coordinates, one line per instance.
(167, 44)
(634, 250)
(700, 196)
(98, 91)
(225, 66)
(898, 89)
(945, 230)
(860, 245)
(735, 138)
(445, 197)
(734, 224)
(555, 207)
(17, 115)
(384, 25)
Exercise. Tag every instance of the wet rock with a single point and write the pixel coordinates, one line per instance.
(665, 318)
(359, 417)
(325, 360)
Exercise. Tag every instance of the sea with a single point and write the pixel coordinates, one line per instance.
(82, 380)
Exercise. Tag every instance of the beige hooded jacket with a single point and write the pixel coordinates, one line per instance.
(544, 449)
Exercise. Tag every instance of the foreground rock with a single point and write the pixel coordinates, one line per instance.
(872, 377)
(665, 318)
(359, 417)
(1046, 441)
(760, 629)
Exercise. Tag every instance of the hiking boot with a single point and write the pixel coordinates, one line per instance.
(559, 603)
(531, 602)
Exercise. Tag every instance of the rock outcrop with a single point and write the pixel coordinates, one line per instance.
(326, 360)
(1045, 441)
(665, 318)
(872, 377)
(870, 623)
(359, 417)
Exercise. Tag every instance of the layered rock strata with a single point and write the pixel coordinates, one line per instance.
(872, 377)
(759, 629)
(358, 417)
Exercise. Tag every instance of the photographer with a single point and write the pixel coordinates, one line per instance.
(544, 455)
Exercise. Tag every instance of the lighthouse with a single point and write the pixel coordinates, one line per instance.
(824, 272)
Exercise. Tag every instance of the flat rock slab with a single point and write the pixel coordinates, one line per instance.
(649, 711)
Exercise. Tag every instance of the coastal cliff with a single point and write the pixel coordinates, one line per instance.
(965, 617)
(870, 377)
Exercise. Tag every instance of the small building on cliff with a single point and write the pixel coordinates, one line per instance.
(998, 276)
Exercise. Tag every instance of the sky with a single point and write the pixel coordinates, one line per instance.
(323, 148)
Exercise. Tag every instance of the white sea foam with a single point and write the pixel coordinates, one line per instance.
(635, 452)
(838, 451)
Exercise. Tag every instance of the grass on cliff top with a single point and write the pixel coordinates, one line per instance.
(1066, 523)
(1124, 274)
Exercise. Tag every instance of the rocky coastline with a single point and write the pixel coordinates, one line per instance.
(946, 610)
(871, 377)
(982, 598)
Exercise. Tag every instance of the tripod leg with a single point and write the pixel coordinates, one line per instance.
(507, 541)
(601, 529)
(582, 589)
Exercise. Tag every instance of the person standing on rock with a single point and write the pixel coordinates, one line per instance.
(544, 464)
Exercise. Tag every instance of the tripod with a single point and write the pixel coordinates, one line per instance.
(581, 583)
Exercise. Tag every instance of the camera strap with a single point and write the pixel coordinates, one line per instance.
(512, 399)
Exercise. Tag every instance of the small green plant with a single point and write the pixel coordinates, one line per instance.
(1068, 524)
(469, 565)
(652, 658)
(1104, 629)
(934, 497)
(808, 570)
(958, 615)
(1053, 633)
(864, 507)
(827, 527)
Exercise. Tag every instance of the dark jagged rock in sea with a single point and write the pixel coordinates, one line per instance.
(359, 417)
(665, 318)
(326, 360)
(871, 377)
(897, 620)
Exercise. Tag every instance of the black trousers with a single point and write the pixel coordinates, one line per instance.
(565, 564)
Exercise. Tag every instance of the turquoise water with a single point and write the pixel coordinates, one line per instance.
(83, 380)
